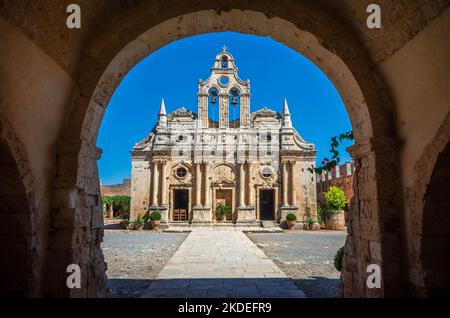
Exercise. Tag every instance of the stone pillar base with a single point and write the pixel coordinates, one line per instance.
(285, 210)
(164, 211)
(201, 215)
(246, 216)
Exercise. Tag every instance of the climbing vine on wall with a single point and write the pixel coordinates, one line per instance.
(330, 164)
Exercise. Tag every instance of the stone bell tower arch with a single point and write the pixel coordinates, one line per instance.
(224, 89)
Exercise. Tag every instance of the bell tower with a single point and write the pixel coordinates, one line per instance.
(223, 92)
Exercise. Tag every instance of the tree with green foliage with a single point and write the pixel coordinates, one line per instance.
(335, 199)
(118, 202)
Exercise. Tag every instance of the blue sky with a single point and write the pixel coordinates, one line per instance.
(274, 70)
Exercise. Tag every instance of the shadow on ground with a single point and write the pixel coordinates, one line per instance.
(113, 226)
(319, 287)
(204, 288)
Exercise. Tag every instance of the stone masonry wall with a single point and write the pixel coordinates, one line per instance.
(116, 189)
(341, 177)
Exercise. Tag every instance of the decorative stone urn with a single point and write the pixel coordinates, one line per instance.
(335, 220)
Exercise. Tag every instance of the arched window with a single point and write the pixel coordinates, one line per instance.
(224, 62)
(213, 105)
(266, 172)
(235, 104)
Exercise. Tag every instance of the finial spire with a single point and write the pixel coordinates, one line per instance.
(162, 115)
(286, 107)
(224, 48)
(162, 109)
(287, 123)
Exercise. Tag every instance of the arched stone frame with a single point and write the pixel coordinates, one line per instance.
(374, 224)
(185, 183)
(228, 185)
(235, 108)
(209, 106)
(427, 206)
(20, 263)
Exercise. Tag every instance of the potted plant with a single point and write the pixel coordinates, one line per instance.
(309, 222)
(155, 220)
(291, 219)
(139, 223)
(335, 201)
(124, 222)
(223, 210)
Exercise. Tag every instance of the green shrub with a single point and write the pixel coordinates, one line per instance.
(124, 223)
(309, 220)
(223, 209)
(338, 259)
(155, 216)
(335, 199)
(119, 202)
(139, 222)
(319, 214)
(291, 217)
(124, 216)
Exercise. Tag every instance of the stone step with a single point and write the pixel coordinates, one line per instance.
(268, 224)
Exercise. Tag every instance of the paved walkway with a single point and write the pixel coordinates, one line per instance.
(220, 263)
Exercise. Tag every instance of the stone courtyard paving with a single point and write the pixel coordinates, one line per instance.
(221, 263)
(134, 258)
(305, 256)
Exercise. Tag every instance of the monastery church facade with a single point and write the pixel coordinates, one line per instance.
(255, 163)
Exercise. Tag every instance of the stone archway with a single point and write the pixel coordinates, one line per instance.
(18, 220)
(435, 247)
(374, 224)
(430, 220)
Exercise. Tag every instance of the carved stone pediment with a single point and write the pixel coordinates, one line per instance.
(265, 113)
(223, 174)
(181, 114)
(144, 142)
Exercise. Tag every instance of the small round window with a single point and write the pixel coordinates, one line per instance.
(181, 172)
(224, 80)
(267, 172)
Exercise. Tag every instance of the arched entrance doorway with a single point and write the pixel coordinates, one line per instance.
(436, 230)
(430, 244)
(18, 223)
(374, 225)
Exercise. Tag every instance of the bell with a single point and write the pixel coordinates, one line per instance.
(234, 101)
(213, 99)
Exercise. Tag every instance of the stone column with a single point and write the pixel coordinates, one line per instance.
(198, 185)
(111, 211)
(284, 199)
(241, 202)
(203, 110)
(292, 185)
(207, 186)
(164, 208)
(155, 185)
(250, 187)
(164, 184)
(223, 111)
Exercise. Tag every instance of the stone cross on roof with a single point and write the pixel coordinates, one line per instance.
(224, 48)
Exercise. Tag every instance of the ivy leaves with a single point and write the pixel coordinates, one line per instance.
(330, 164)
